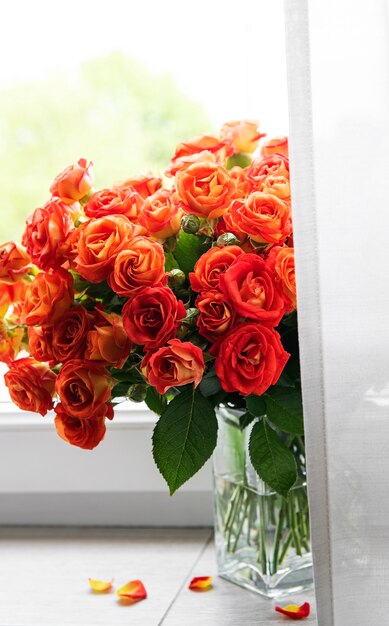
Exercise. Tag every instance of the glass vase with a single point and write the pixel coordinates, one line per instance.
(262, 539)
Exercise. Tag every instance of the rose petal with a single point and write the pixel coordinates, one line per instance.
(294, 611)
(100, 585)
(200, 583)
(133, 590)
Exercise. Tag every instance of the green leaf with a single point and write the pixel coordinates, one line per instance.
(245, 420)
(187, 251)
(155, 401)
(256, 405)
(284, 408)
(272, 460)
(210, 384)
(171, 262)
(184, 437)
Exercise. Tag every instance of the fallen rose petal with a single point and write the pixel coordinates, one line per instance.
(133, 590)
(294, 611)
(100, 585)
(200, 583)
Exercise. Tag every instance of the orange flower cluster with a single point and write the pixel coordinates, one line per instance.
(98, 298)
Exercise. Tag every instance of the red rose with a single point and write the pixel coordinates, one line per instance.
(117, 201)
(31, 385)
(211, 265)
(152, 316)
(251, 287)
(84, 389)
(48, 297)
(83, 433)
(70, 334)
(74, 183)
(179, 363)
(46, 233)
(217, 314)
(249, 359)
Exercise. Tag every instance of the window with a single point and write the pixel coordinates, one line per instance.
(121, 85)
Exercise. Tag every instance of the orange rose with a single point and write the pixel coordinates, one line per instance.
(117, 201)
(206, 189)
(11, 294)
(70, 334)
(144, 184)
(243, 134)
(283, 260)
(243, 187)
(185, 161)
(74, 183)
(221, 148)
(142, 264)
(217, 314)
(249, 359)
(10, 342)
(211, 265)
(40, 343)
(48, 297)
(179, 363)
(160, 216)
(15, 262)
(277, 185)
(273, 165)
(84, 389)
(97, 244)
(107, 341)
(278, 145)
(83, 433)
(46, 233)
(31, 385)
(263, 217)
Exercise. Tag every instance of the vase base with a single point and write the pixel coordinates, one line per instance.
(291, 581)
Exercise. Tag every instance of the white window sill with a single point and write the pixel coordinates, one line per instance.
(44, 480)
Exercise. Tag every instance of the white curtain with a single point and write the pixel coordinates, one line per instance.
(338, 75)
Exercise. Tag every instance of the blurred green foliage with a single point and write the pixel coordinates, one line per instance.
(112, 111)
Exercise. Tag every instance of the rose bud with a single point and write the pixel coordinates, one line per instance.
(227, 239)
(176, 279)
(137, 392)
(190, 318)
(190, 224)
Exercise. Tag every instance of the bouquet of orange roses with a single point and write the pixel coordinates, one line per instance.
(176, 290)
